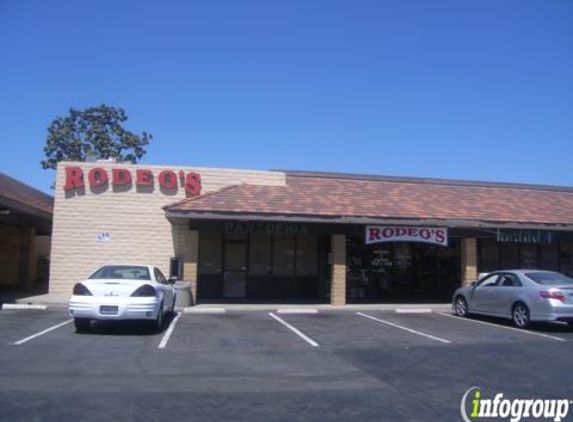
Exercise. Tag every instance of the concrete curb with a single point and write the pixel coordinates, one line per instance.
(296, 311)
(192, 310)
(21, 306)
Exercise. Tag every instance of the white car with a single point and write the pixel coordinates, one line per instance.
(122, 292)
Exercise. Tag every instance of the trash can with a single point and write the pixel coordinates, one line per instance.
(183, 296)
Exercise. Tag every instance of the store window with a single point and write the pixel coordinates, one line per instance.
(566, 257)
(260, 258)
(306, 255)
(550, 256)
(284, 254)
(210, 256)
(489, 255)
(529, 255)
(509, 256)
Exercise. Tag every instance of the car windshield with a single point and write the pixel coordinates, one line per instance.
(122, 272)
(548, 278)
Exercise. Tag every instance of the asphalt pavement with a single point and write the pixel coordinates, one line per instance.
(254, 366)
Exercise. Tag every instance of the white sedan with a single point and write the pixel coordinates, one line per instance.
(122, 292)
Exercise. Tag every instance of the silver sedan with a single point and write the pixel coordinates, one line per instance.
(520, 295)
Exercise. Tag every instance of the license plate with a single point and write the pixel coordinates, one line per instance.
(108, 310)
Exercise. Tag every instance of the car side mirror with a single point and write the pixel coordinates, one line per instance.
(473, 283)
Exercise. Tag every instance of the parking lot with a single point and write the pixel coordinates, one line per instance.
(245, 366)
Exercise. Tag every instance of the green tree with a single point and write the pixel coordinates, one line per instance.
(94, 131)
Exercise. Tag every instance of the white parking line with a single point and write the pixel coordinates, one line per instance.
(47, 330)
(400, 327)
(533, 333)
(295, 330)
(413, 311)
(167, 334)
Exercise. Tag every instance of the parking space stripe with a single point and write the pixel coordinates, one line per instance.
(47, 330)
(533, 333)
(295, 330)
(169, 331)
(401, 327)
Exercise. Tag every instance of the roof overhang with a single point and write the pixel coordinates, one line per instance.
(181, 216)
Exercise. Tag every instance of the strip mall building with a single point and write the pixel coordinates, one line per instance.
(305, 237)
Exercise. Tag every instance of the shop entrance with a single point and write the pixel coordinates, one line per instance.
(247, 267)
(401, 272)
(235, 269)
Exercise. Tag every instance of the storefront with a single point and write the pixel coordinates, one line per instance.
(275, 236)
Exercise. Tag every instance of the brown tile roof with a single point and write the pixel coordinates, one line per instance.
(26, 195)
(307, 195)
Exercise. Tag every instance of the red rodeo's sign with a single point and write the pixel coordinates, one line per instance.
(379, 234)
(100, 177)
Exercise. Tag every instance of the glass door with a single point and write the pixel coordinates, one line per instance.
(235, 269)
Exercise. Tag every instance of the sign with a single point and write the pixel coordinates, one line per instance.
(100, 177)
(265, 227)
(524, 236)
(380, 234)
(103, 237)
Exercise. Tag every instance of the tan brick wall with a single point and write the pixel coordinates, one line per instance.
(338, 276)
(140, 233)
(469, 261)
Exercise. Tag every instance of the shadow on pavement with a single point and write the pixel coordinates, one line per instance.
(127, 328)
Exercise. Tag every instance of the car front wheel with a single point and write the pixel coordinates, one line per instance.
(82, 325)
(461, 306)
(520, 315)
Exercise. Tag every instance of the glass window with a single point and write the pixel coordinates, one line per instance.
(509, 280)
(489, 255)
(159, 276)
(210, 252)
(260, 254)
(550, 278)
(550, 256)
(509, 256)
(489, 281)
(529, 255)
(120, 272)
(283, 254)
(306, 255)
(235, 256)
(238, 236)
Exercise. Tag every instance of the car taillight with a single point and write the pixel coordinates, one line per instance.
(81, 290)
(553, 295)
(144, 291)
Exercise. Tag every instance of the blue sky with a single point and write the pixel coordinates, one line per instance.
(474, 89)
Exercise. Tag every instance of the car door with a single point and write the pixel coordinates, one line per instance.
(483, 294)
(505, 294)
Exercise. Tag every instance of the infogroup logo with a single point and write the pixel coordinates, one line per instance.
(474, 407)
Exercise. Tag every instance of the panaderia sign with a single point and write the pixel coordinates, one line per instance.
(99, 177)
(433, 235)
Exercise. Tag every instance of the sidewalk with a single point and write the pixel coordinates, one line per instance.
(61, 300)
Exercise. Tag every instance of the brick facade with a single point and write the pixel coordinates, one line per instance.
(469, 261)
(140, 232)
(338, 275)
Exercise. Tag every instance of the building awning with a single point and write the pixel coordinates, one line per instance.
(354, 199)
(23, 205)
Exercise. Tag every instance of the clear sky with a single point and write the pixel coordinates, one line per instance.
(472, 89)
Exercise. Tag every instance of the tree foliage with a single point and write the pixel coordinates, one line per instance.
(94, 131)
